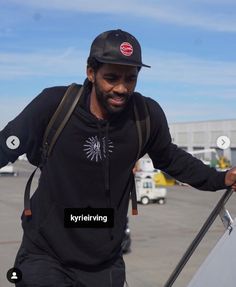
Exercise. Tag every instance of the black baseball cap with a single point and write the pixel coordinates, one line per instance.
(117, 47)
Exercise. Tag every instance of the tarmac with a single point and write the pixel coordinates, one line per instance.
(160, 233)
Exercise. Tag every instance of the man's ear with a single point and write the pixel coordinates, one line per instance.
(90, 74)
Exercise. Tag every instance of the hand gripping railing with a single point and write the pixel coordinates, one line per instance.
(215, 212)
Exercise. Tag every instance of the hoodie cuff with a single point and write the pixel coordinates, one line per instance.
(221, 180)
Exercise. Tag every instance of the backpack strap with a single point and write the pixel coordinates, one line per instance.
(142, 120)
(53, 131)
(59, 119)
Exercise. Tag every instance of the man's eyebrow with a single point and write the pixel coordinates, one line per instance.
(117, 75)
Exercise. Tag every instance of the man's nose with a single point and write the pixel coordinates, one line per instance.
(120, 88)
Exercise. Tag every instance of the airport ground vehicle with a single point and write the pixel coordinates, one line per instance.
(159, 177)
(144, 168)
(148, 191)
(8, 170)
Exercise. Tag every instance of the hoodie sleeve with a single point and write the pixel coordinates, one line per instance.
(169, 158)
(29, 127)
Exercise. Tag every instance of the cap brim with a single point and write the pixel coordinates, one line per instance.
(120, 62)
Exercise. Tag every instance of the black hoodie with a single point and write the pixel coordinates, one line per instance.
(91, 165)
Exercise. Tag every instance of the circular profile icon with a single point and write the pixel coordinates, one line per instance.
(14, 275)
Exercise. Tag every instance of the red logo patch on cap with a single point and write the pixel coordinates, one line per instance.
(126, 49)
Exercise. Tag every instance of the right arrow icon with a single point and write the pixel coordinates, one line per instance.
(223, 142)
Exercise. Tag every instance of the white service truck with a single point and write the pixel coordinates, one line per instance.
(148, 192)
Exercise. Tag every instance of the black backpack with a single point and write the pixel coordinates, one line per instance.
(61, 117)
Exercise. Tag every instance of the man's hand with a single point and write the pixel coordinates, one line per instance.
(230, 178)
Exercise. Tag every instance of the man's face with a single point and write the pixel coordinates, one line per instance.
(114, 85)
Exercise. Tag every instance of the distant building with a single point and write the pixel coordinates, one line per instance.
(203, 135)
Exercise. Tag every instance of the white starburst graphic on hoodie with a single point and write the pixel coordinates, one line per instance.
(92, 148)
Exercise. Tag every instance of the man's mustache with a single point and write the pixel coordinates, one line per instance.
(112, 96)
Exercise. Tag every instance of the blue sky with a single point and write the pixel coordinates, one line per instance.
(191, 46)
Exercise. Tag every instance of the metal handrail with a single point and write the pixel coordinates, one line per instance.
(215, 212)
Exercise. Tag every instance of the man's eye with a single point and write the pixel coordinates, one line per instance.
(131, 79)
(110, 79)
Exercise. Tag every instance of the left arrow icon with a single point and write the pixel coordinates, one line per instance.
(13, 142)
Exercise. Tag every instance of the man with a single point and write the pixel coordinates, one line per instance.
(91, 166)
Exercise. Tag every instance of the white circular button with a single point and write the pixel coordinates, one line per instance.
(12, 142)
(223, 142)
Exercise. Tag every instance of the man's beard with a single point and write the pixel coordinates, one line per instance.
(103, 99)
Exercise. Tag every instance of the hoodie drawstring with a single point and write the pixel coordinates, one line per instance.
(107, 164)
(104, 153)
(104, 150)
(107, 174)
